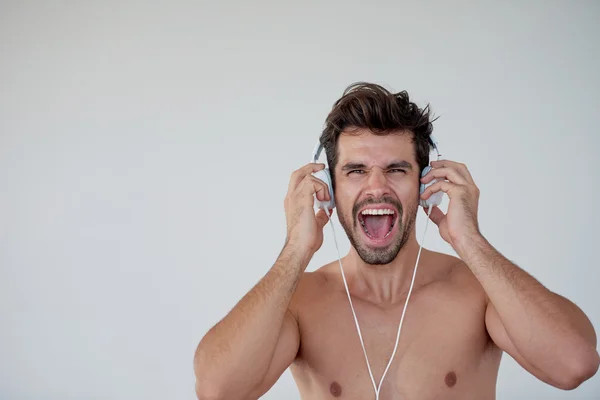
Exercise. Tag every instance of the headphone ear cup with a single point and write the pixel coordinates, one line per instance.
(325, 176)
(433, 200)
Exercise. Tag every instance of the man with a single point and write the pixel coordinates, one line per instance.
(463, 312)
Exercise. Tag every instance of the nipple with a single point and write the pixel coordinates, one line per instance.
(335, 389)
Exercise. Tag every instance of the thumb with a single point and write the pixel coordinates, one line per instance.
(322, 218)
(436, 215)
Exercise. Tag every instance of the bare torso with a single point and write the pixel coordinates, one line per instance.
(444, 351)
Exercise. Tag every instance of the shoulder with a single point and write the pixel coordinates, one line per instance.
(463, 277)
(312, 287)
(453, 270)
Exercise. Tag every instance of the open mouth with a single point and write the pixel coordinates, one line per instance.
(377, 224)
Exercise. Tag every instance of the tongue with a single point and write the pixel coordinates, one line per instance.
(378, 225)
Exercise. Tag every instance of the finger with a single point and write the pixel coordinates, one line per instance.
(311, 185)
(436, 215)
(447, 187)
(322, 218)
(460, 167)
(447, 173)
(300, 173)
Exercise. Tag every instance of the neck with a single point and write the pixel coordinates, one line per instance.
(384, 284)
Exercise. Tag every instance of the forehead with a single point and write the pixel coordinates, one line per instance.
(364, 146)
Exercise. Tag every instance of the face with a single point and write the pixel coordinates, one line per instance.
(377, 192)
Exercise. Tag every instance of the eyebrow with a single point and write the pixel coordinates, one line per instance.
(400, 164)
(396, 164)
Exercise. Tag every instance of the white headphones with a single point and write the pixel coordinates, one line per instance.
(325, 175)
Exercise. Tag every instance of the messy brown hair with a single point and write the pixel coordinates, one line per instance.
(371, 106)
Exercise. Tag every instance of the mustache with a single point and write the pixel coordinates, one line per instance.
(382, 200)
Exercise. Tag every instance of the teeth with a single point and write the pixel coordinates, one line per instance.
(377, 212)
(364, 226)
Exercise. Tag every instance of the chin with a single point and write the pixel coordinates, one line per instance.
(380, 252)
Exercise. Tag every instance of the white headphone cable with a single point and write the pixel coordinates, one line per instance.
(378, 388)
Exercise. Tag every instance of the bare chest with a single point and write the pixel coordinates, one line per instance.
(443, 352)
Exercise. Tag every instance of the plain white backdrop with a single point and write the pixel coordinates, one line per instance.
(145, 151)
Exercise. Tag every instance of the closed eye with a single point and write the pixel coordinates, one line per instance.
(357, 171)
(398, 170)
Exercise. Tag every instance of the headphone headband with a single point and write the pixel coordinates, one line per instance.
(317, 152)
(435, 146)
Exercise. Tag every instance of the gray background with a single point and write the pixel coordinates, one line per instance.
(145, 151)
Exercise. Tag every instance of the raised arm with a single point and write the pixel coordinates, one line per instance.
(545, 333)
(245, 353)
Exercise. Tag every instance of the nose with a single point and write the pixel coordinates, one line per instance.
(377, 184)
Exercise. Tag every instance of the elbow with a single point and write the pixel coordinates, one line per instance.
(206, 388)
(582, 368)
(210, 386)
(214, 383)
(207, 392)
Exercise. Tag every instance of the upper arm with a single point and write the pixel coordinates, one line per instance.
(286, 349)
(498, 333)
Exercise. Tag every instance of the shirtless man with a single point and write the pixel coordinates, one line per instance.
(462, 314)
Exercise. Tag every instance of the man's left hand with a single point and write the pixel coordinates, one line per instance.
(460, 222)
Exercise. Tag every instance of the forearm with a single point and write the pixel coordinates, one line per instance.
(238, 349)
(548, 330)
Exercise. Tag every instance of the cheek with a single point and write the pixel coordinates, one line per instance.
(408, 195)
(344, 202)
(407, 192)
(344, 193)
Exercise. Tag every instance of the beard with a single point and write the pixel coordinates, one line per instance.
(379, 255)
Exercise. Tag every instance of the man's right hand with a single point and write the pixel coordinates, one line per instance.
(304, 228)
